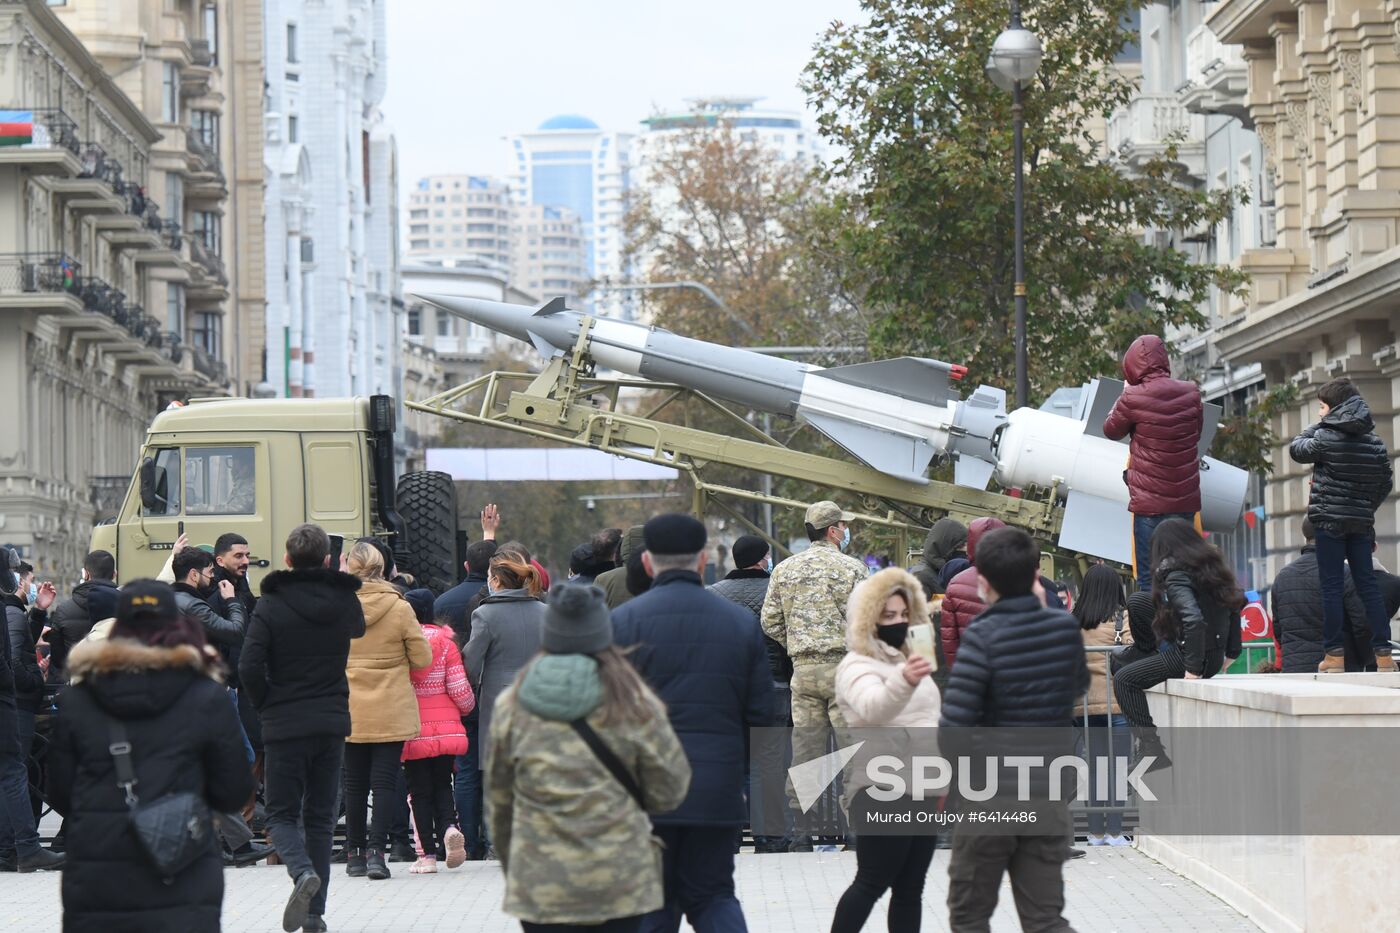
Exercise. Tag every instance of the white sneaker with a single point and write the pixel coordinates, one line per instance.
(1097, 840)
(1118, 840)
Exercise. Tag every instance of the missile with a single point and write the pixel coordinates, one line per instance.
(894, 415)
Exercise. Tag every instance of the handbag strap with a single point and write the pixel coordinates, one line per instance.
(1118, 627)
(120, 750)
(609, 760)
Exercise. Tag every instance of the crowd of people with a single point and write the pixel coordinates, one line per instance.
(593, 734)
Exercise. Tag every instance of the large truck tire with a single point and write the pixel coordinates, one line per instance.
(427, 502)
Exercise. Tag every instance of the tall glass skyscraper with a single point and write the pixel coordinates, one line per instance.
(570, 162)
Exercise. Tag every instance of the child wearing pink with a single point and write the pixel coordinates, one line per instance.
(444, 697)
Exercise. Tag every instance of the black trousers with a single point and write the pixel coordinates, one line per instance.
(898, 864)
(370, 766)
(1037, 883)
(302, 778)
(430, 786)
(1132, 680)
(618, 925)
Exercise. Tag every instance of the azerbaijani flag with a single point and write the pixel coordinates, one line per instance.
(16, 127)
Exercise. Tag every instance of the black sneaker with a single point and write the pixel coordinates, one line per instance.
(249, 854)
(43, 860)
(402, 852)
(355, 865)
(1076, 853)
(1151, 746)
(314, 924)
(303, 890)
(375, 869)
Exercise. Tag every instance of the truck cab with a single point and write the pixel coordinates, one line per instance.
(256, 467)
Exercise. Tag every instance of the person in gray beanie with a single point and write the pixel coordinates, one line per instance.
(579, 739)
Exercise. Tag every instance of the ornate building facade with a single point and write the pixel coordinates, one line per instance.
(86, 355)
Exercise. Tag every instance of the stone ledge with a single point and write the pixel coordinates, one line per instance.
(1296, 694)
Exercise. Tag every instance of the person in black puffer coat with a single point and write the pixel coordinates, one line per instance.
(1296, 598)
(1019, 664)
(69, 622)
(1352, 476)
(156, 676)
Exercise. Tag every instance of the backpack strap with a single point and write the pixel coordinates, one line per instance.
(609, 760)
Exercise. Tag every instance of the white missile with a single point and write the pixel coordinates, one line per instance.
(895, 415)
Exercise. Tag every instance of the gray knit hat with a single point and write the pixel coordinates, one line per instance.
(576, 620)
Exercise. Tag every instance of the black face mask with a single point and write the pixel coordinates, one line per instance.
(893, 635)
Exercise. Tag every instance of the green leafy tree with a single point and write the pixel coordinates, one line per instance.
(920, 225)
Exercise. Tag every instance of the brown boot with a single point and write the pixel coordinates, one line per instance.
(1333, 663)
(1385, 663)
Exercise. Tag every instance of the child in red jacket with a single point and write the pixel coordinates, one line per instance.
(444, 697)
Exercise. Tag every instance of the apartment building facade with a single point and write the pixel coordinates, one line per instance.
(87, 354)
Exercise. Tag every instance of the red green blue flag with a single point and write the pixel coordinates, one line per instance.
(16, 127)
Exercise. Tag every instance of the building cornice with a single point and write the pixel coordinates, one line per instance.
(1315, 312)
(1239, 21)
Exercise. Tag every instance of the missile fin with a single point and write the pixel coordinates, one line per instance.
(972, 473)
(1098, 526)
(898, 455)
(547, 349)
(910, 377)
(1103, 393)
(553, 306)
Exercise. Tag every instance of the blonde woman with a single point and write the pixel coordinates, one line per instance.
(885, 688)
(383, 708)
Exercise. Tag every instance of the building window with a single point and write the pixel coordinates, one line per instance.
(206, 228)
(211, 31)
(175, 308)
(415, 321)
(206, 124)
(1245, 177)
(444, 325)
(292, 58)
(292, 135)
(170, 92)
(208, 333)
(175, 197)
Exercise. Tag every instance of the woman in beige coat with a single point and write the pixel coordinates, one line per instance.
(383, 708)
(1100, 727)
(892, 705)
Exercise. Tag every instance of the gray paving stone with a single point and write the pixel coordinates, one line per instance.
(1110, 891)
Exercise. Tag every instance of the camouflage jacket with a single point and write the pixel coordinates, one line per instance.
(574, 845)
(805, 610)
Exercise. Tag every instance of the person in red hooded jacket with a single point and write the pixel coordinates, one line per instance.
(962, 604)
(1164, 417)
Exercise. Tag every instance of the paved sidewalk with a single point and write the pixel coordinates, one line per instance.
(1110, 891)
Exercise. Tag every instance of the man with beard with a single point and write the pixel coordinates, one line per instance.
(194, 587)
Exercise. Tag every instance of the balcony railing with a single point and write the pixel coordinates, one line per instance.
(170, 232)
(1148, 125)
(96, 163)
(100, 297)
(200, 53)
(53, 129)
(22, 273)
(201, 150)
(212, 264)
(209, 367)
(1206, 54)
(1217, 79)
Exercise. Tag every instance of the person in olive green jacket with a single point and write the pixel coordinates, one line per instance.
(614, 583)
(544, 782)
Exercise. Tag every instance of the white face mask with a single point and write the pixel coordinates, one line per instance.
(33, 593)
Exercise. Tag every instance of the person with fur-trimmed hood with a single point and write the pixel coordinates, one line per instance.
(155, 678)
(882, 687)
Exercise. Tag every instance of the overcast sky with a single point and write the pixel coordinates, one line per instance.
(464, 73)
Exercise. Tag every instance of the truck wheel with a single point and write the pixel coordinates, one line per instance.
(427, 502)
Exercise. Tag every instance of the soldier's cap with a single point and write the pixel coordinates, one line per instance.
(146, 604)
(826, 513)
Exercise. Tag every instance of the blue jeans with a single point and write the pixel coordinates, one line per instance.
(243, 733)
(1355, 551)
(1143, 526)
(466, 790)
(1105, 739)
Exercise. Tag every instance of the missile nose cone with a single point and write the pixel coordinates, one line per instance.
(496, 315)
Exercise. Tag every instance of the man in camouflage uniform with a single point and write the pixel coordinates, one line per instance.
(805, 612)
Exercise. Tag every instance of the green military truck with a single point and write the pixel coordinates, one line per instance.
(259, 467)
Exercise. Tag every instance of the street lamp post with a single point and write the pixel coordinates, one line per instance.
(1015, 58)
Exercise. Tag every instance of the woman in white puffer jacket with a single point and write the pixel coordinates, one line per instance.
(890, 704)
